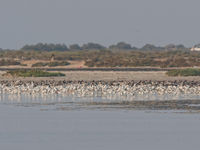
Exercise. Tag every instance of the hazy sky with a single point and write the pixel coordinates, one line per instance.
(106, 22)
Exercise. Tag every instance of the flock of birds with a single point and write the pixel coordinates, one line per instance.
(113, 89)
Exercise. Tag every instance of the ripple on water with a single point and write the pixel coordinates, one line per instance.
(67, 102)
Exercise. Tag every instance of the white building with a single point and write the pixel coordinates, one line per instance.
(196, 48)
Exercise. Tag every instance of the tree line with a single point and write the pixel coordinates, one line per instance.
(96, 46)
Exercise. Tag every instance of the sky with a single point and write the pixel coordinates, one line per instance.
(107, 22)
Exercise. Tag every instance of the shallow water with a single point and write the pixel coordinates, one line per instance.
(60, 123)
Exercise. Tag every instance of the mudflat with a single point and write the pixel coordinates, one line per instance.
(108, 76)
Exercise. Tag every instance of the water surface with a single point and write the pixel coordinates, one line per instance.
(35, 123)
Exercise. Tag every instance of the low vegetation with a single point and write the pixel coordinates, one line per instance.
(119, 55)
(33, 73)
(4, 62)
(163, 59)
(184, 72)
(51, 64)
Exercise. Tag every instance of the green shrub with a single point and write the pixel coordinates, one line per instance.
(40, 64)
(54, 64)
(34, 73)
(51, 64)
(184, 72)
